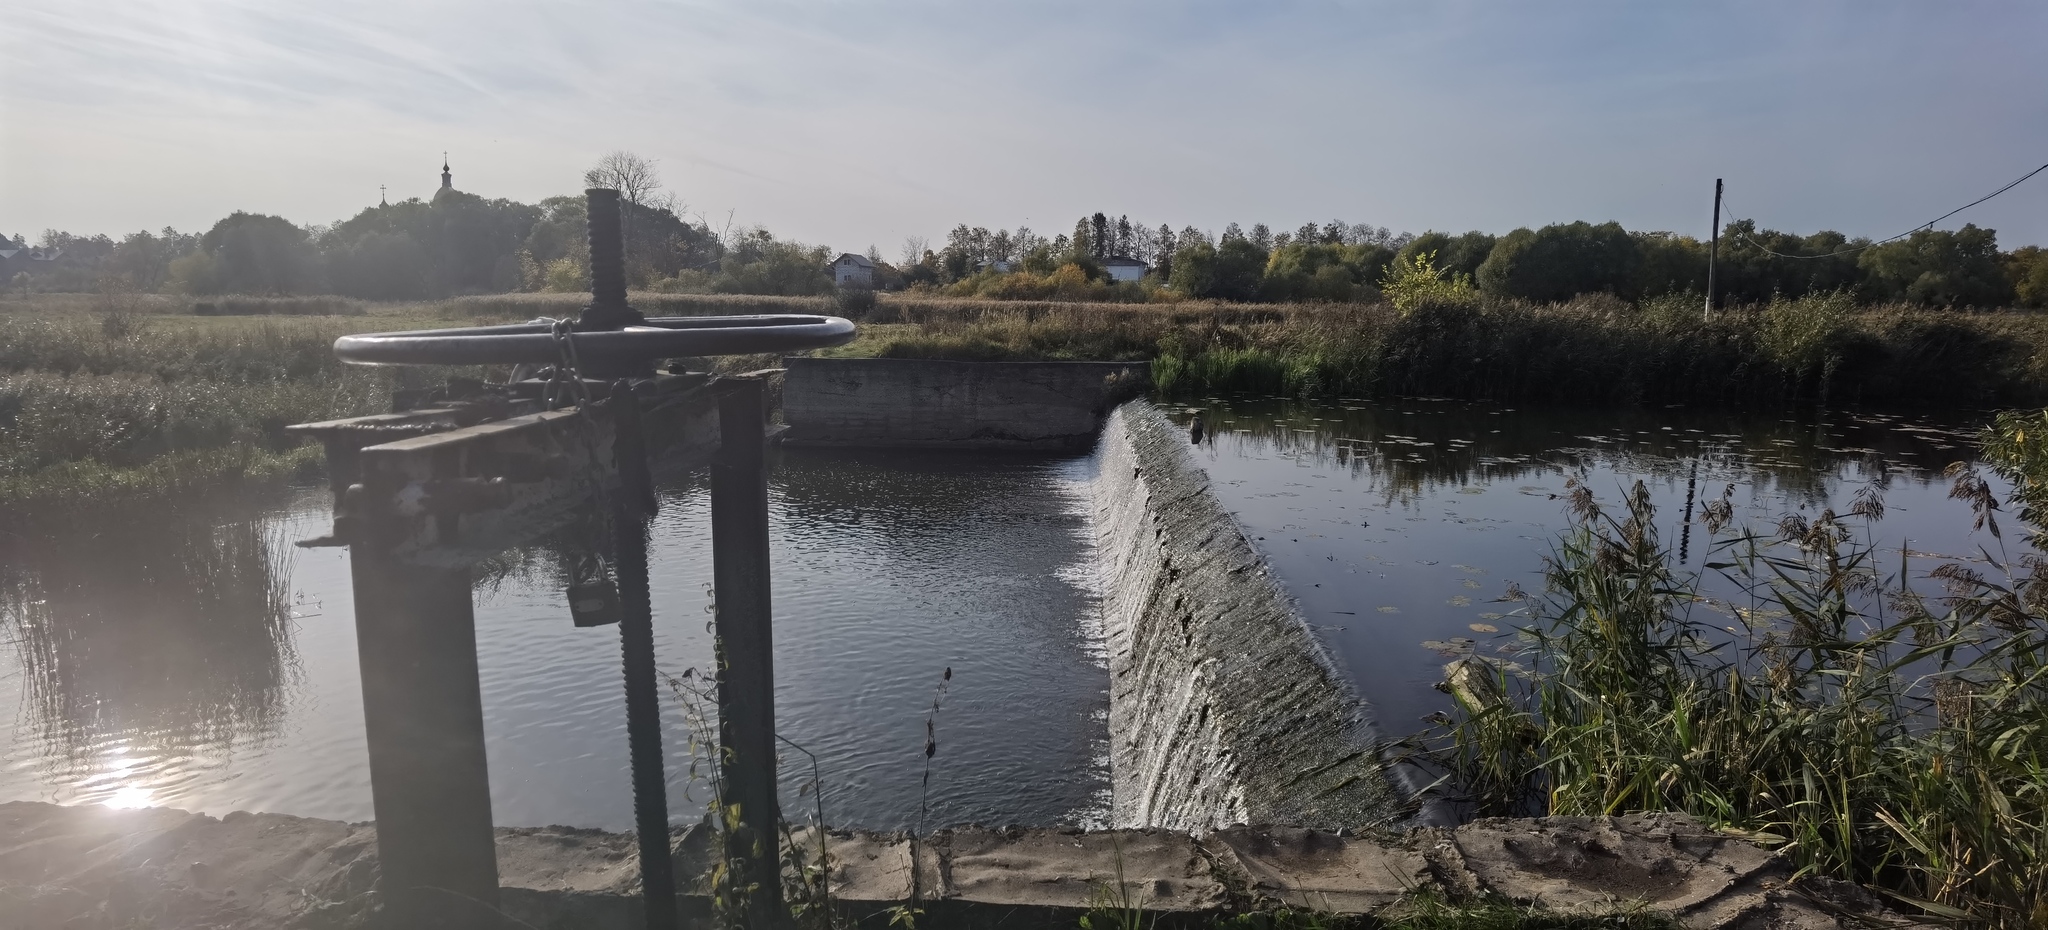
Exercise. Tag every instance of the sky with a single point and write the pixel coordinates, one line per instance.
(851, 124)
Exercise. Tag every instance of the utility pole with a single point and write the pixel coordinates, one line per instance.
(1713, 250)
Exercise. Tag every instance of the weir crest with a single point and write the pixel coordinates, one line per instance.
(1223, 706)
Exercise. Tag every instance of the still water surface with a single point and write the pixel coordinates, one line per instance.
(191, 657)
(1399, 525)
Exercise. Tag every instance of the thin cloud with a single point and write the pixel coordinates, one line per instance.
(854, 123)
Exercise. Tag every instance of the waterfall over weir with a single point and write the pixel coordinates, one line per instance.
(1223, 706)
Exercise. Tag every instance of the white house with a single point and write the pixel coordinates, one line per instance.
(1124, 269)
(1000, 266)
(851, 269)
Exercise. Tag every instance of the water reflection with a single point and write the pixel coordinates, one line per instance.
(160, 659)
(1404, 527)
(1410, 448)
(896, 566)
(151, 648)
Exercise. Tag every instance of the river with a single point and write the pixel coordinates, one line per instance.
(186, 654)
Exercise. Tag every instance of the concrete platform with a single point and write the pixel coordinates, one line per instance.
(89, 867)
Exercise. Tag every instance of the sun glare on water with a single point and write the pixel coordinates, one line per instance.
(121, 782)
(128, 796)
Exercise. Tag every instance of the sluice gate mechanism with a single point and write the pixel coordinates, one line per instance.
(577, 437)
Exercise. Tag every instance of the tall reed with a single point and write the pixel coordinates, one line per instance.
(1876, 733)
(1595, 349)
(89, 413)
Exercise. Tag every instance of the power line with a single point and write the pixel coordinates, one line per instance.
(1927, 225)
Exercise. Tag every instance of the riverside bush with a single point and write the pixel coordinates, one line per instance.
(1873, 733)
(1410, 282)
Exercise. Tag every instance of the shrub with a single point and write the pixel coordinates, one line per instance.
(567, 275)
(1408, 283)
(855, 303)
(1804, 336)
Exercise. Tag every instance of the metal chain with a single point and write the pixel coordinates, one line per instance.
(567, 377)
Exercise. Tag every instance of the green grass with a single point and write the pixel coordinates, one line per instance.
(1591, 350)
(1872, 732)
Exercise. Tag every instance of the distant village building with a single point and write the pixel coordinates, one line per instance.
(853, 270)
(1124, 269)
(17, 257)
(1000, 266)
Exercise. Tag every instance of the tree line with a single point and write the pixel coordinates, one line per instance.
(1337, 261)
(451, 244)
(459, 243)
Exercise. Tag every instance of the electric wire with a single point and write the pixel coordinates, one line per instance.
(1927, 225)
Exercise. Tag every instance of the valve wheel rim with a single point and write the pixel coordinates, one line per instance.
(658, 338)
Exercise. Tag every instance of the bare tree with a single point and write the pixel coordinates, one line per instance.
(634, 177)
(914, 248)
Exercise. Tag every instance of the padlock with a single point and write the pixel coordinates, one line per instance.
(594, 603)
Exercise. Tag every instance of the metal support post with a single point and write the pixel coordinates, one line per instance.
(1713, 250)
(746, 676)
(630, 509)
(424, 718)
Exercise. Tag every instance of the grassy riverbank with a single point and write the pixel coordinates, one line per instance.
(1873, 729)
(109, 393)
(89, 410)
(105, 396)
(1591, 350)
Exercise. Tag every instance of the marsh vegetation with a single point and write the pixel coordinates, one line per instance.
(1873, 730)
(120, 390)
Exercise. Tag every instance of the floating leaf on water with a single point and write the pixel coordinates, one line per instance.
(1390, 610)
(1484, 628)
(1471, 490)
(1449, 650)
(1461, 601)
(1491, 616)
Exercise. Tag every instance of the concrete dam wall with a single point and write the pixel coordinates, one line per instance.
(930, 402)
(1223, 707)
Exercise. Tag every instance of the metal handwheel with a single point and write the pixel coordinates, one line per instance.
(640, 341)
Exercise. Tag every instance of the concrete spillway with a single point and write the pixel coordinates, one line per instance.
(1223, 707)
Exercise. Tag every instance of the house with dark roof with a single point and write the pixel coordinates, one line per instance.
(16, 257)
(850, 270)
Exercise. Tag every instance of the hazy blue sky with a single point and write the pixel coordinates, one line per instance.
(853, 123)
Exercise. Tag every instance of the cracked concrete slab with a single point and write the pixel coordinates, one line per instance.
(1662, 859)
(1319, 870)
(1074, 869)
(1666, 862)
